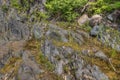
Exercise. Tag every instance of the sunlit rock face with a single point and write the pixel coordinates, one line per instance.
(45, 51)
(12, 29)
(64, 59)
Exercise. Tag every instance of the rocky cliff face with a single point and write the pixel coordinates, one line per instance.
(45, 51)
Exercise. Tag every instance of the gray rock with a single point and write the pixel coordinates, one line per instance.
(1, 65)
(115, 15)
(56, 33)
(43, 1)
(11, 28)
(59, 67)
(74, 63)
(83, 34)
(77, 38)
(26, 73)
(95, 31)
(29, 69)
(119, 27)
(83, 19)
(38, 31)
(98, 74)
(14, 15)
(68, 77)
(117, 48)
(32, 64)
(1, 76)
(109, 37)
(2, 2)
(101, 55)
(2, 22)
(86, 52)
(17, 30)
(90, 73)
(95, 20)
(110, 17)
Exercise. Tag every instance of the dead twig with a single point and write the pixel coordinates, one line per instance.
(112, 65)
(84, 8)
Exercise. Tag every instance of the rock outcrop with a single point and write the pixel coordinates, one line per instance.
(45, 51)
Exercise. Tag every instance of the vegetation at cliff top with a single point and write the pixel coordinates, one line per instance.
(69, 10)
(66, 10)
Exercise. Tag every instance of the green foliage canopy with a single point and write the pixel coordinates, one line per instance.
(65, 9)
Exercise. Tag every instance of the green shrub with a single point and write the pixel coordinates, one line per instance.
(15, 4)
(115, 5)
(101, 6)
(64, 9)
(97, 7)
(4, 8)
(23, 5)
(45, 62)
(39, 16)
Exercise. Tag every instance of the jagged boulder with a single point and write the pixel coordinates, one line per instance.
(83, 19)
(95, 20)
(66, 59)
(95, 31)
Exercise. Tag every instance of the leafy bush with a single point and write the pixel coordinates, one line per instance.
(97, 7)
(115, 5)
(101, 6)
(64, 9)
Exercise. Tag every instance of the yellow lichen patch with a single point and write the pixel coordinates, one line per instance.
(46, 65)
(74, 26)
(104, 66)
(33, 44)
(50, 76)
(44, 62)
(67, 25)
(12, 64)
(112, 75)
(34, 47)
(92, 44)
(73, 45)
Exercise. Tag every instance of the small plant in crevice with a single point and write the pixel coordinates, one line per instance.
(113, 52)
(41, 59)
(4, 8)
(45, 62)
(21, 5)
(86, 27)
